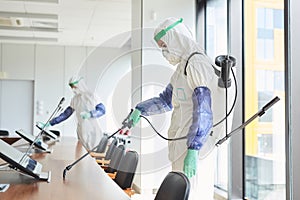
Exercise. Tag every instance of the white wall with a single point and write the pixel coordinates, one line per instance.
(16, 102)
(49, 79)
(16, 93)
(49, 68)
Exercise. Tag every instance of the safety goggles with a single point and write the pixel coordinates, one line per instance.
(163, 32)
(73, 84)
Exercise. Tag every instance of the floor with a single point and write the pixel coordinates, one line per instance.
(142, 197)
(272, 196)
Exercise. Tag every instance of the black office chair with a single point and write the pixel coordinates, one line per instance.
(4, 133)
(175, 186)
(116, 157)
(101, 147)
(104, 159)
(102, 144)
(111, 148)
(126, 171)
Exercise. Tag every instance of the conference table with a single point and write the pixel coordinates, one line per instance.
(86, 180)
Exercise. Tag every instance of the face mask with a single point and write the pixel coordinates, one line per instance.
(173, 59)
(75, 90)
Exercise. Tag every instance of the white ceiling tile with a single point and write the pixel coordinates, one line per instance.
(80, 22)
(12, 6)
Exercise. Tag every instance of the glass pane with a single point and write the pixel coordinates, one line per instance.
(264, 79)
(260, 13)
(216, 44)
(269, 18)
(260, 49)
(265, 31)
(269, 53)
(216, 28)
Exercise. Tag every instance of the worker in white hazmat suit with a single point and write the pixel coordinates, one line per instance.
(197, 103)
(88, 110)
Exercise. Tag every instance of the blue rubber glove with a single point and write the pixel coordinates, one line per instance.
(42, 125)
(85, 115)
(135, 117)
(190, 163)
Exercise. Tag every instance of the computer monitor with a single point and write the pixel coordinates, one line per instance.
(24, 163)
(30, 138)
(48, 133)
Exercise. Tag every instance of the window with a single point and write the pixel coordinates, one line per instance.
(216, 28)
(264, 157)
(265, 34)
(263, 99)
(265, 144)
(216, 44)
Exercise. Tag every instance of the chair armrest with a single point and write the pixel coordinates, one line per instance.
(112, 175)
(104, 167)
(102, 161)
(129, 191)
(97, 155)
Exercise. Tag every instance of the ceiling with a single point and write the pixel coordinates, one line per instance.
(65, 22)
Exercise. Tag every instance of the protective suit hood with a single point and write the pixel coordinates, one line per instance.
(77, 84)
(179, 39)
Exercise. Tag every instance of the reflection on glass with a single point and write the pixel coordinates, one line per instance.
(264, 79)
(216, 44)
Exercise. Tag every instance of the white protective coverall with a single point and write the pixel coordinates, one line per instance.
(84, 101)
(193, 114)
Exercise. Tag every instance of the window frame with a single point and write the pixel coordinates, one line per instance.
(235, 47)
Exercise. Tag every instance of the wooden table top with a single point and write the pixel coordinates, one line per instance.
(86, 180)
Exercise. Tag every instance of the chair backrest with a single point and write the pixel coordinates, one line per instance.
(175, 186)
(102, 144)
(111, 148)
(127, 169)
(116, 157)
(4, 133)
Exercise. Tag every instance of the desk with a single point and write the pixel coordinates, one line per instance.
(86, 180)
(10, 139)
